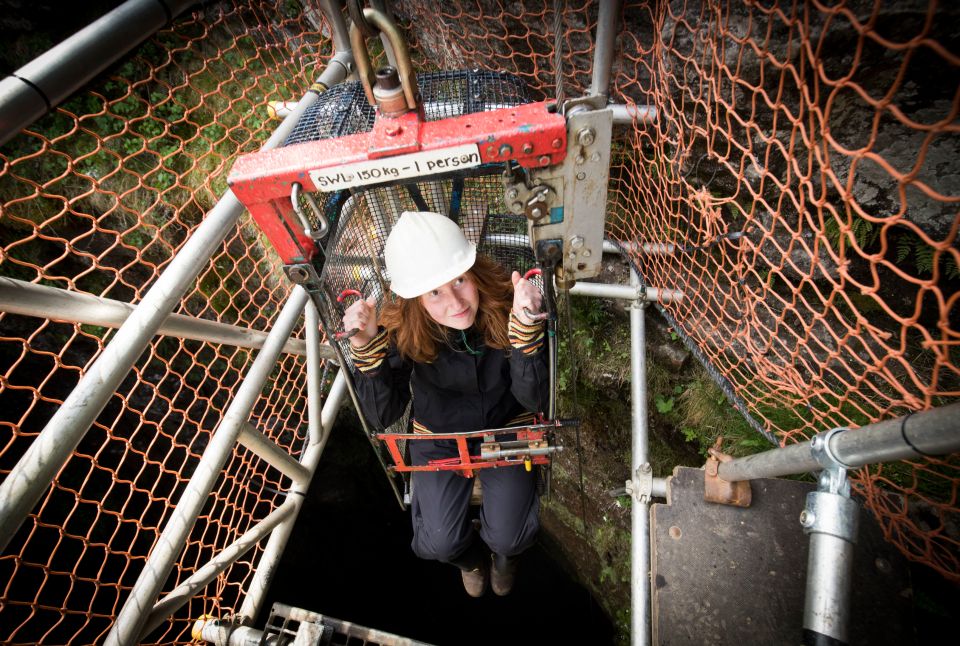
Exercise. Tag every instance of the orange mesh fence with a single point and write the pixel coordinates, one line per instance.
(97, 197)
(804, 166)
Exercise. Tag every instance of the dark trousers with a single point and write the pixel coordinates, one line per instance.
(442, 528)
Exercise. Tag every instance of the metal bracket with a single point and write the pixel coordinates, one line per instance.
(833, 478)
(829, 509)
(567, 201)
(303, 274)
(641, 487)
(716, 489)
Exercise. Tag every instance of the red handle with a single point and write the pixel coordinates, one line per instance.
(348, 292)
(542, 315)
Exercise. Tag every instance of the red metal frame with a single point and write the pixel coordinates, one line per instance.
(533, 135)
(465, 462)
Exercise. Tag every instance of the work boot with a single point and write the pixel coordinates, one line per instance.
(474, 568)
(502, 574)
(475, 580)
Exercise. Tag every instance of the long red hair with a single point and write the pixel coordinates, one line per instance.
(418, 337)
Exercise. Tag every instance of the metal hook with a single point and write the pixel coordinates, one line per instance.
(295, 192)
(361, 56)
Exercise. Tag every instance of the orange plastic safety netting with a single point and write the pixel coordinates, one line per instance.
(804, 167)
(97, 197)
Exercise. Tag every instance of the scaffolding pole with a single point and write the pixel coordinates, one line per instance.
(320, 426)
(32, 475)
(642, 486)
(129, 624)
(933, 432)
(604, 48)
(34, 89)
(55, 304)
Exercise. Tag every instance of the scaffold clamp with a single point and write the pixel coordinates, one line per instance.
(718, 490)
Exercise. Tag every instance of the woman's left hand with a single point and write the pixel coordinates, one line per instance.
(525, 296)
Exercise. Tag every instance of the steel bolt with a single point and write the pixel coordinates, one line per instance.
(595, 157)
(527, 148)
(505, 150)
(581, 176)
(580, 159)
(586, 137)
(807, 518)
(545, 160)
(586, 253)
(394, 129)
(576, 243)
(512, 194)
(517, 207)
(536, 212)
(557, 143)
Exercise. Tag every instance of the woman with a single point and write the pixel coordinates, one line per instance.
(458, 335)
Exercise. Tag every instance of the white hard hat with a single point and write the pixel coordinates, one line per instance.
(424, 251)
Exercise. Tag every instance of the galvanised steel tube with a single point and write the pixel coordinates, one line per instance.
(272, 454)
(934, 432)
(625, 114)
(320, 422)
(626, 292)
(831, 521)
(129, 624)
(209, 571)
(42, 301)
(31, 91)
(604, 46)
(30, 477)
(341, 35)
(639, 509)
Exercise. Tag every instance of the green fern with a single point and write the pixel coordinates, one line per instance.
(923, 257)
(864, 232)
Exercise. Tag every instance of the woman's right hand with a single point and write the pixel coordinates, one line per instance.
(362, 316)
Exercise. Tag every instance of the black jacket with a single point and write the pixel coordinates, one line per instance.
(459, 390)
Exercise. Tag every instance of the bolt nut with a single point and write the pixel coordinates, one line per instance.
(505, 150)
(544, 160)
(586, 137)
(883, 565)
(580, 159)
(581, 176)
(527, 148)
(807, 518)
(536, 212)
(576, 243)
(298, 275)
(517, 207)
(512, 194)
